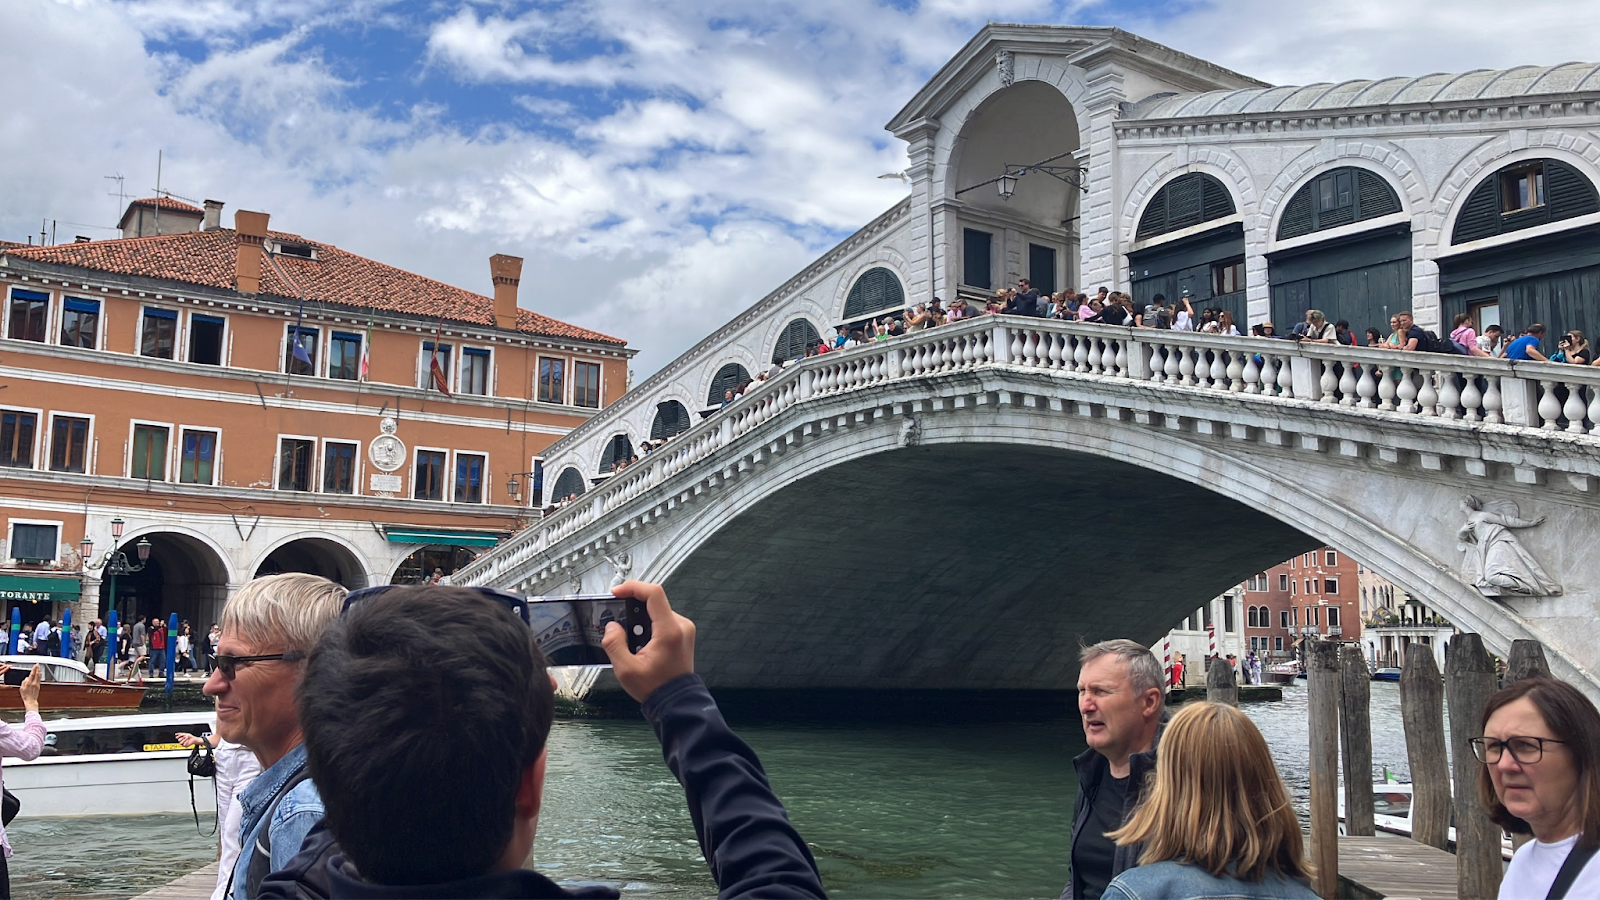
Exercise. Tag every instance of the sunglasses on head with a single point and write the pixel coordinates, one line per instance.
(517, 603)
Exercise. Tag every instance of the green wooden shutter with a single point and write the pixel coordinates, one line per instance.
(570, 481)
(796, 337)
(1480, 215)
(876, 289)
(1374, 196)
(1567, 192)
(1299, 214)
(671, 420)
(1186, 201)
(728, 377)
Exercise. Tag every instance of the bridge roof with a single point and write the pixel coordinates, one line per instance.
(1440, 87)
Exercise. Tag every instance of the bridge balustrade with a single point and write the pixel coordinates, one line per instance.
(1530, 397)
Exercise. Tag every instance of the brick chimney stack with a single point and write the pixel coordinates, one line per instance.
(213, 219)
(507, 274)
(251, 231)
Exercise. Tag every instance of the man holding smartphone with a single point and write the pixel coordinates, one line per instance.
(380, 731)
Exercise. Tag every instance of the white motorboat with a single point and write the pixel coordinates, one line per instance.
(1391, 812)
(112, 766)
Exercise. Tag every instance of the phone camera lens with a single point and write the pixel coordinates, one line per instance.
(638, 630)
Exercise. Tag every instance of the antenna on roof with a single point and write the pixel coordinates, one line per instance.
(121, 195)
(158, 190)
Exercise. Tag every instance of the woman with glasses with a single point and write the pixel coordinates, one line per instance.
(1541, 776)
(1216, 822)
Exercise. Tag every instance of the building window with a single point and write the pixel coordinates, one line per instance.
(1333, 617)
(160, 333)
(1277, 643)
(474, 371)
(1294, 588)
(300, 350)
(1228, 277)
(469, 477)
(1330, 585)
(34, 543)
(426, 378)
(205, 339)
(69, 444)
(149, 453)
(1250, 617)
(1313, 617)
(1228, 624)
(1484, 313)
(429, 481)
(80, 323)
(1283, 618)
(16, 438)
(1522, 188)
(1259, 582)
(197, 457)
(552, 380)
(29, 311)
(296, 456)
(1336, 191)
(1283, 582)
(338, 467)
(344, 356)
(977, 255)
(586, 384)
(1294, 615)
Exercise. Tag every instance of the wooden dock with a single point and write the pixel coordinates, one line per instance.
(1388, 865)
(196, 884)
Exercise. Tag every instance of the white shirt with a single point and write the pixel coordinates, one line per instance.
(236, 768)
(1533, 869)
(1183, 321)
(41, 633)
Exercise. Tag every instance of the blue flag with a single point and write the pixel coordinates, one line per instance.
(300, 349)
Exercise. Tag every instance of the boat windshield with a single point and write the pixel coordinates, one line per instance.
(55, 674)
(118, 740)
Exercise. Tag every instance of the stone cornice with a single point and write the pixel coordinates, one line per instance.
(696, 354)
(1467, 115)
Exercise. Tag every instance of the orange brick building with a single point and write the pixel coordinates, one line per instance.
(250, 401)
(1314, 593)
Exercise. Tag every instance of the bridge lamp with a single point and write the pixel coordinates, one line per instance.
(1008, 184)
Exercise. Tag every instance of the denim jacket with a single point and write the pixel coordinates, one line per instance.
(300, 810)
(1179, 881)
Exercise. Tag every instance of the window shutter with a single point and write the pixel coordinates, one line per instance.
(728, 377)
(1480, 215)
(796, 337)
(1567, 192)
(1186, 201)
(569, 482)
(1374, 196)
(671, 420)
(618, 448)
(876, 289)
(1298, 213)
(33, 543)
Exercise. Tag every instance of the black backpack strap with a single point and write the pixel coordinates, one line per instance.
(261, 854)
(1576, 859)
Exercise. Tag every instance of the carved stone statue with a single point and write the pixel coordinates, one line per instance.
(621, 565)
(1005, 65)
(1496, 562)
(910, 432)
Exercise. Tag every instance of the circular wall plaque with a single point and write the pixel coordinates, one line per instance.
(387, 452)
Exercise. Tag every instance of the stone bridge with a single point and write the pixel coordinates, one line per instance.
(960, 507)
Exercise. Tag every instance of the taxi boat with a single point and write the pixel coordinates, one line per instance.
(68, 684)
(112, 766)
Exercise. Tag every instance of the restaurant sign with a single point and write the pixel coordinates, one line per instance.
(40, 588)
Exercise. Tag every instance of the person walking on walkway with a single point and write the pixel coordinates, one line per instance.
(1121, 701)
(1216, 821)
(25, 742)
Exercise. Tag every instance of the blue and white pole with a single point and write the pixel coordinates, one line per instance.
(172, 650)
(111, 646)
(66, 634)
(16, 629)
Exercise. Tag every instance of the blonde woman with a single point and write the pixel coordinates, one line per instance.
(1216, 822)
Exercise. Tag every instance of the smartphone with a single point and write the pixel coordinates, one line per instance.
(568, 629)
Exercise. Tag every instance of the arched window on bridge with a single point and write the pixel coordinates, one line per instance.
(671, 420)
(877, 289)
(1209, 265)
(618, 449)
(796, 337)
(729, 377)
(1363, 278)
(569, 483)
(1551, 278)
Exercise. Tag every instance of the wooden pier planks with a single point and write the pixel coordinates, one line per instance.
(1387, 865)
(196, 884)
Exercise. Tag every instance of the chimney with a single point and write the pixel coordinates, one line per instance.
(251, 231)
(213, 219)
(507, 274)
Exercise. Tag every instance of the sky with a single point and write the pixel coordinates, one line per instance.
(660, 165)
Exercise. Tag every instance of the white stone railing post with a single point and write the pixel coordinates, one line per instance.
(1304, 379)
(1002, 344)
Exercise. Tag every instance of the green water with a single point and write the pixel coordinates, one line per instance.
(891, 809)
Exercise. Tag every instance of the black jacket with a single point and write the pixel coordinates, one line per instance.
(1092, 767)
(744, 832)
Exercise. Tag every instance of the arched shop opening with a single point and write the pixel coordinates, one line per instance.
(671, 420)
(1362, 278)
(183, 575)
(728, 378)
(420, 566)
(1209, 265)
(569, 483)
(316, 556)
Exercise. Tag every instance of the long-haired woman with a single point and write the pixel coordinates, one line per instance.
(1216, 822)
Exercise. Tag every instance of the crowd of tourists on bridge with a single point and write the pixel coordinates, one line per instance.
(318, 691)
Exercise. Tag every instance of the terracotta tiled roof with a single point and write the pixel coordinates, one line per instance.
(168, 203)
(207, 258)
(13, 245)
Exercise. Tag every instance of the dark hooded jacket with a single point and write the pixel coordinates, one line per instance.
(1092, 769)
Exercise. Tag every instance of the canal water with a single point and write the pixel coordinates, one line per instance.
(941, 807)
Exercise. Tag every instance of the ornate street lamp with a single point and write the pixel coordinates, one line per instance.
(1008, 183)
(114, 563)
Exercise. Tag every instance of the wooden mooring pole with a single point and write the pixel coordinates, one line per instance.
(1526, 661)
(1469, 681)
(1355, 740)
(1221, 684)
(1422, 716)
(1322, 691)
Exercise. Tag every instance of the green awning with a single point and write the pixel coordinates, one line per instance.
(40, 588)
(448, 538)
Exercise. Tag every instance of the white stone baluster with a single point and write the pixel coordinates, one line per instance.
(1594, 408)
(1080, 353)
(1492, 402)
(1285, 378)
(1252, 373)
(1450, 394)
(1219, 370)
(1235, 370)
(1170, 368)
(1471, 398)
(1016, 345)
(1575, 408)
(1108, 358)
(1056, 342)
(1388, 388)
(1269, 374)
(1406, 391)
(1348, 385)
(1549, 406)
(1330, 381)
(1185, 364)
(1427, 395)
(1120, 359)
(967, 351)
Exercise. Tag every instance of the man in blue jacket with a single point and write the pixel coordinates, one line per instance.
(426, 733)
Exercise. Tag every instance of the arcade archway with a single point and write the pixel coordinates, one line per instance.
(316, 556)
(184, 575)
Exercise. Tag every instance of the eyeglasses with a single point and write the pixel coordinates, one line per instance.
(1525, 750)
(229, 665)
